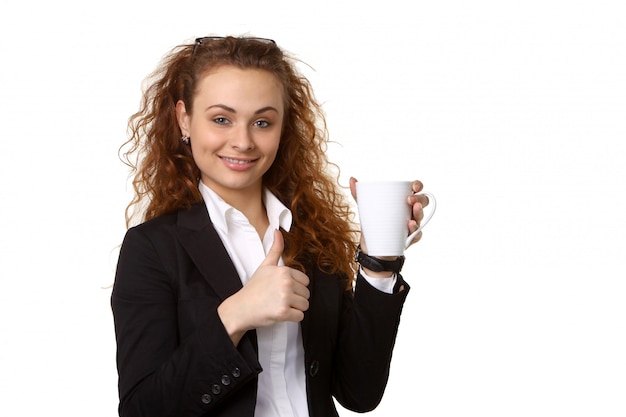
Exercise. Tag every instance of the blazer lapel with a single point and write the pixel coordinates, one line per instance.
(201, 241)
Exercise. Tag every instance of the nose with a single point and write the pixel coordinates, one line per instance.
(242, 139)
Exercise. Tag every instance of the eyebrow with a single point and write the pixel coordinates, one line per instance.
(230, 109)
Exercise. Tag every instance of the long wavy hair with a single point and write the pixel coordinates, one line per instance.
(166, 178)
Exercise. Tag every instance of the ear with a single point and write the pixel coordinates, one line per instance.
(183, 118)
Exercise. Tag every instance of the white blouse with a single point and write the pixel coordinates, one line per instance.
(282, 384)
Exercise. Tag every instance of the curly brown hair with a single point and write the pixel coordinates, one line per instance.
(166, 178)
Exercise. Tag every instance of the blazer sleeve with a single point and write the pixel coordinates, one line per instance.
(161, 371)
(368, 329)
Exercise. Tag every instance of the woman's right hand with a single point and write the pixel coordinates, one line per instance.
(273, 294)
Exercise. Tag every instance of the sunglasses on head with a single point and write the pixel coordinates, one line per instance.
(200, 41)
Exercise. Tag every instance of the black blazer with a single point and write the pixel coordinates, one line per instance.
(175, 358)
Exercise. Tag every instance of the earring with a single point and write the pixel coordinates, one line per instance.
(185, 140)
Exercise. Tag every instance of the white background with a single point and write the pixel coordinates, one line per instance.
(511, 112)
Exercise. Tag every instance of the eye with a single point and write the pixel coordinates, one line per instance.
(221, 120)
(262, 123)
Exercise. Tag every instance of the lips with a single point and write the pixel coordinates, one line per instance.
(238, 164)
(237, 161)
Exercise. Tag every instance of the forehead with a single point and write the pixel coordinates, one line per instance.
(229, 82)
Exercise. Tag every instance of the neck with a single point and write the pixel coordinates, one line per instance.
(250, 203)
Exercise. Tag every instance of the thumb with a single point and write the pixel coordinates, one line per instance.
(275, 252)
(353, 182)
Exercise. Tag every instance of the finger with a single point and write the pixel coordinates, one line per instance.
(363, 244)
(418, 213)
(417, 186)
(418, 199)
(353, 182)
(300, 277)
(301, 290)
(295, 315)
(276, 251)
(300, 303)
(292, 310)
(413, 226)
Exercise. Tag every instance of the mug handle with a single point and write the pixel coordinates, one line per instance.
(432, 204)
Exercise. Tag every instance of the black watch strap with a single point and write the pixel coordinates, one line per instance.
(378, 265)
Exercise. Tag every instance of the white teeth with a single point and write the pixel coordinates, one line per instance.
(236, 161)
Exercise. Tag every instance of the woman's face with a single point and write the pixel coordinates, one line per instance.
(235, 129)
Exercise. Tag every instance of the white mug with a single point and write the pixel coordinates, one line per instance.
(384, 215)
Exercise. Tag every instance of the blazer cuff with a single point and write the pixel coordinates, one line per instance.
(385, 285)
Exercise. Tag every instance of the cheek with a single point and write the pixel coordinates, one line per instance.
(274, 152)
(204, 140)
(200, 151)
(275, 146)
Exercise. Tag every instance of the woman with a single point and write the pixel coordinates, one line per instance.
(236, 295)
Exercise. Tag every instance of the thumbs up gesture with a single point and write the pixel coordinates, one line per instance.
(273, 294)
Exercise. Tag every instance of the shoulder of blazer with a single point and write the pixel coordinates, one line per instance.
(192, 231)
(195, 217)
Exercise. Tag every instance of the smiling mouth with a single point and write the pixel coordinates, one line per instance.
(237, 161)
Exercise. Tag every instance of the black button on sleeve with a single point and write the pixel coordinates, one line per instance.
(236, 372)
(225, 380)
(206, 399)
(216, 389)
(314, 367)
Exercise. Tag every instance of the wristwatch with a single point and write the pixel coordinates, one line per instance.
(377, 264)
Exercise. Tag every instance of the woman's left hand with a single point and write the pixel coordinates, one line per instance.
(417, 202)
